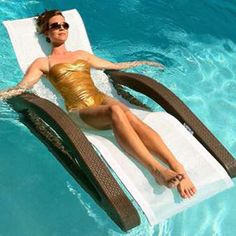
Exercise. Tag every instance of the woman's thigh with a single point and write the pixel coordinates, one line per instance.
(98, 117)
(112, 101)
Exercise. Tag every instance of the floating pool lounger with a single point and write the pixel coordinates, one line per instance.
(207, 162)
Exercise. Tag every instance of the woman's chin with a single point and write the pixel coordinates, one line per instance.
(60, 41)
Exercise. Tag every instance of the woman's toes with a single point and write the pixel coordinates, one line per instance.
(186, 188)
(188, 192)
(193, 190)
(183, 194)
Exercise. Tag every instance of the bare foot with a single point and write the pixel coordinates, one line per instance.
(185, 187)
(167, 177)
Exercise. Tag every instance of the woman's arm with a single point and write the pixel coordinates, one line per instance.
(31, 77)
(99, 63)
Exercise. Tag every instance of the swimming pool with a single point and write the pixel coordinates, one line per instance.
(196, 41)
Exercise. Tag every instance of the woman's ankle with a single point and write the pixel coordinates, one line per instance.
(155, 167)
(178, 167)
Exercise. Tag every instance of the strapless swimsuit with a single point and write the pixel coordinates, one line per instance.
(73, 81)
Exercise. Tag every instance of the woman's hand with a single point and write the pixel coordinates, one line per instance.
(32, 76)
(126, 65)
(11, 92)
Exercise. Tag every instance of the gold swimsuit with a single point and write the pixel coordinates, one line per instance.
(74, 83)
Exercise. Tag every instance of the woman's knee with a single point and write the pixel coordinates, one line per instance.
(116, 113)
(133, 119)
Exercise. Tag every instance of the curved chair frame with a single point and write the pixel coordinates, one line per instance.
(70, 146)
(173, 105)
(67, 142)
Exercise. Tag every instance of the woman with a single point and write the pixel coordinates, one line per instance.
(69, 72)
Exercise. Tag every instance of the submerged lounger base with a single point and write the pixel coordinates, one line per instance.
(68, 143)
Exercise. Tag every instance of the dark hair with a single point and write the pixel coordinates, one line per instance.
(43, 19)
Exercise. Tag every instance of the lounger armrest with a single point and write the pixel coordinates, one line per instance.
(173, 105)
(107, 192)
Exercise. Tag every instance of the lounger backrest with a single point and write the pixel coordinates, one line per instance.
(35, 45)
(26, 40)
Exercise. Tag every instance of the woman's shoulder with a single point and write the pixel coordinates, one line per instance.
(40, 63)
(40, 60)
(82, 54)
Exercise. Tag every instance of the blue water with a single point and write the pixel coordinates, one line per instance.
(196, 40)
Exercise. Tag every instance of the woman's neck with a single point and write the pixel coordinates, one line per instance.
(59, 50)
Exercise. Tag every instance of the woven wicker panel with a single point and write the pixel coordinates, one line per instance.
(75, 148)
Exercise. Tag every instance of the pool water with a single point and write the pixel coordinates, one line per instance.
(195, 40)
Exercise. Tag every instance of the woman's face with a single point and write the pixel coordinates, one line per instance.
(59, 34)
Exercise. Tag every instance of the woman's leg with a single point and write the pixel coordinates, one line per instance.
(104, 116)
(155, 144)
(149, 137)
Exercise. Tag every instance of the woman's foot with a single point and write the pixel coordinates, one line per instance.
(185, 187)
(167, 177)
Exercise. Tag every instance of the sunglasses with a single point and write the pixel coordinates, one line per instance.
(57, 26)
